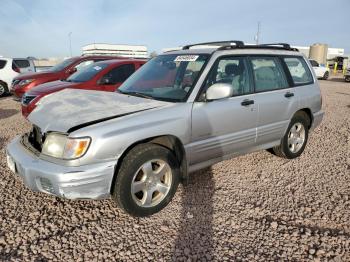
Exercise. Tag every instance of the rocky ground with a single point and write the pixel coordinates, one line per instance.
(255, 207)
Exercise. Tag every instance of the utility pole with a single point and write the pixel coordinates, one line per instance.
(70, 43)
(257, 36)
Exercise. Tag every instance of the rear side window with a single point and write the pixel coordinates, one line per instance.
(2, 64)
(268, 74)
(120, 73)
(299, 70)
(22, 63)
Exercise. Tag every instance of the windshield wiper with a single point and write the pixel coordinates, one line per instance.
(132, 93)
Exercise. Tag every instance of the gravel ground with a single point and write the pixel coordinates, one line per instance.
(255, 207)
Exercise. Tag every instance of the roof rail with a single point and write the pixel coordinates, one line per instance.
(219, 43)
(283, 45)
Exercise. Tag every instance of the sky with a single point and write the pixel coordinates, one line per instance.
(40, 28)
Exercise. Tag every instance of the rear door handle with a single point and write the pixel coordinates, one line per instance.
(247, 102)
(288, 94)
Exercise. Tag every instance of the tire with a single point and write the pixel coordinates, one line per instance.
(326, 75)
(3, 89)
(347, 79)
(138, 171)
(285, 149)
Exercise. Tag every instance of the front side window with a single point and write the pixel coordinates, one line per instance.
(268, 74)
(166, 77)
(233, 71)
(87, 73)
(299, 70)
(119, 74)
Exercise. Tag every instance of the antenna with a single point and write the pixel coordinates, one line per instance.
(257, 36)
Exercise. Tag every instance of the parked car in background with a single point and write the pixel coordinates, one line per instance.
(10, 68)
(182, 111)
(347, 75)
(106, 75)
(321, 72)
(25, 82)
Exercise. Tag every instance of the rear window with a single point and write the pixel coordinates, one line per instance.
(2, 64)
(299, 70)
(22, 63)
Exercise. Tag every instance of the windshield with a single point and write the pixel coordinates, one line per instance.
(166, 77)
(62, 65)
(87, 73)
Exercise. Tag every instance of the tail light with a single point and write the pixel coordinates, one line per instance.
(15, 68)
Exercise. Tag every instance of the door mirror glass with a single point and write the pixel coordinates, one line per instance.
(219, 91)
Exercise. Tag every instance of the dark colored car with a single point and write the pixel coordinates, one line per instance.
(106, 75)
(25, 82)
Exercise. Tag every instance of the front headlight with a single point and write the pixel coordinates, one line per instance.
(25, 82)
(62, 146)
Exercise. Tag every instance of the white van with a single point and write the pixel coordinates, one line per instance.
(10, 68)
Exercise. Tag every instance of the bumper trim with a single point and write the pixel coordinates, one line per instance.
(82, 182)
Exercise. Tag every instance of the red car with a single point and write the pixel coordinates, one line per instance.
(103, 76)
(25, 82)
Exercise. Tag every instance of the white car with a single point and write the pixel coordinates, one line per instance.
(10, 68)
(322, 72)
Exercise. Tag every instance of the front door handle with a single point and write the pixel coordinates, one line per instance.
(288, 94)
(247, 102)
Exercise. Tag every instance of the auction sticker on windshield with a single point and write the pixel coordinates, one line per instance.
(97, 68)
(186, 58)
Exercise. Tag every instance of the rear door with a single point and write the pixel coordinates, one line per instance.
(24, 65)
(116, 76)
(275, 97)
(227, 126)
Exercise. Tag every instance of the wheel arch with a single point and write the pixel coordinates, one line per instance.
(308, 112)
(170, 142)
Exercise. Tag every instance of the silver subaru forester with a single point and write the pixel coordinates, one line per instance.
(182, 111)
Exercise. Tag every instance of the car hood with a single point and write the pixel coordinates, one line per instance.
(51, 87)
(69, 109)
(35, 75)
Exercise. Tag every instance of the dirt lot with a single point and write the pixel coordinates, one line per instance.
(255, 207)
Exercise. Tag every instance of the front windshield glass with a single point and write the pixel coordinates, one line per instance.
(87, 73)
(166, 77)
(62, 65)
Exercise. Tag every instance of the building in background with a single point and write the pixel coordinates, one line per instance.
(133, 51)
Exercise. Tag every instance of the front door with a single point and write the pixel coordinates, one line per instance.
(226, 126)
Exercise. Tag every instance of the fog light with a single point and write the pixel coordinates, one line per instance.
(46, 185)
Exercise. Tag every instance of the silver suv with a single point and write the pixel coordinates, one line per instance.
(182, 111)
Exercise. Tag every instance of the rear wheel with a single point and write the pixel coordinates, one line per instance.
(147, 180)
(3, 89)
(294, 141)
(326, 75)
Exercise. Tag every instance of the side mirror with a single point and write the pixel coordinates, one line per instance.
(72, 70)
(219, 91)
(105, 81)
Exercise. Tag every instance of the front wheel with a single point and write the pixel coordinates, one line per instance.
(147, 180)
(326, 75)
(3, 89)
(294, 141)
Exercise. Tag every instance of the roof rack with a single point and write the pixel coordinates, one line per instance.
(281, 46)
(238, 44)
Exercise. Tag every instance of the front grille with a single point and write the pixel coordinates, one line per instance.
(26, 99)
(36, 138)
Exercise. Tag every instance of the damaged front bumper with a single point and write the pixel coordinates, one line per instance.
(81, 182)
